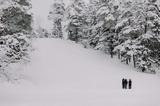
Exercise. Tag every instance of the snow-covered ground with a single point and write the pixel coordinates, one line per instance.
(65, 74)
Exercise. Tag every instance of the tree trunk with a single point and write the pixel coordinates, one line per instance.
(111, 55)
(134, 61)
(145, 30)
(126, 60)
(119, 54)
(129, 59)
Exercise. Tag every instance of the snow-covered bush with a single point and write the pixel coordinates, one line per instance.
(15, 32)
(15, 47)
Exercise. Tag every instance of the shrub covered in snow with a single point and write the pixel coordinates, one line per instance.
(15, 32)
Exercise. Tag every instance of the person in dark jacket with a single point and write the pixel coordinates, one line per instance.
(130, 84)
(123, 83)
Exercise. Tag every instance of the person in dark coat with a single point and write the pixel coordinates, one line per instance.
(123, 83)
(130, 84)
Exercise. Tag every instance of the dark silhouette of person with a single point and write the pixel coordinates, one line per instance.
(123, 83)
(130, 84)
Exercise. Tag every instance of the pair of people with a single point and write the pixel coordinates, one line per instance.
(126, 84)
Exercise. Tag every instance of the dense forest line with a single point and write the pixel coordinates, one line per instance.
(128, 29)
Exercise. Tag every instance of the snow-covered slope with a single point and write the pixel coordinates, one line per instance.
(65, 74)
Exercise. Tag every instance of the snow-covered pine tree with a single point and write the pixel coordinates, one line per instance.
(107, 15)
(15, 16)
(76, 15)
(56, 15)
(129, 27)
(137, 24)
(151, 38)
(15, 31)
(90, 30)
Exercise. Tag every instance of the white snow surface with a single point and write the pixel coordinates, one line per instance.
(63, 73)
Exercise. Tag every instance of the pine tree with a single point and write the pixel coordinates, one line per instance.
(15, 31)
(137, 23)
(76, 15)
(56, 15)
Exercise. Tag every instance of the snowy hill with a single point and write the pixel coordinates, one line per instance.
(65, 74)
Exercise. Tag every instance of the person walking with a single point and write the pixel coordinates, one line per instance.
(130, 84)
(123, 83)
